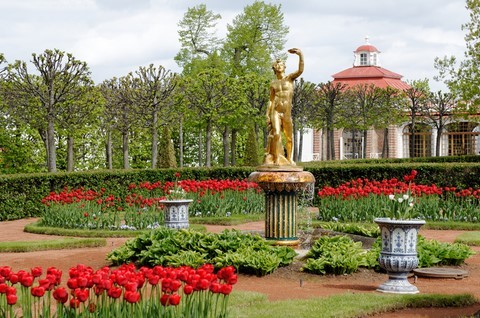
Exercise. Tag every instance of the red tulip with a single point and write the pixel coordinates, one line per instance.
(74, 303)
(13, 278)
(60, 294)
(132, 296)
(37, 291)
(174, 299)
(226, 289)
(188, 289)
(27, 280)
(81, 294)
(36, 271)
(114, 292)
(12, 299)
(164, 299)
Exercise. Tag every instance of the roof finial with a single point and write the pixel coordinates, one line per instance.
(366, 39)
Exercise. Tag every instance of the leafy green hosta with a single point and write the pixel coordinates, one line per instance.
(432, 253)
(247, 252)
(335, 255)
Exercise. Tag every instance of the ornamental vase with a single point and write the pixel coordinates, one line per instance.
(176, 213)
(399, 253)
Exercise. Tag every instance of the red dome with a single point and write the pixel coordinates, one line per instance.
(366, 47)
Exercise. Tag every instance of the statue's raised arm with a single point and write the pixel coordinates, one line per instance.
(299, 72)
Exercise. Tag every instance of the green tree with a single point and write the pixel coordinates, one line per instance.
(438, 110)
(2, 61)
(211, 96)
(326, 112)
(251, 149)
(197, 35)
(166, 158)
(416, 97)
(62, 78)
(302, 104)
(463, 77)
(254, 36)
(361, 112)
(121, 108)
(390, 112)
(156, 85)
(77, 117)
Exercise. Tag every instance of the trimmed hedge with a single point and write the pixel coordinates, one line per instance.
(21, 194)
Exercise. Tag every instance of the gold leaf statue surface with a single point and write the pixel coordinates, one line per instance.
(279, 114)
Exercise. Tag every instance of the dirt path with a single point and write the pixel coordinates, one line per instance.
(285, 283)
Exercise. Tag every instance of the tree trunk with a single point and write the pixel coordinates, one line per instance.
(295, 142)
(208, 145)
(200, 149)
(43, 136)
(233, 148)
(386, 146)
(108, 148)
(437, 141)
(180, 141)
(52, 151)
(225, 147)
(412, 138)
(126, 165)
(70, 154)
(154, 139)
(300, 147)
(364, 144)
(330, 138)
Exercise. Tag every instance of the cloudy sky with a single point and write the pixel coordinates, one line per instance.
(117, 36)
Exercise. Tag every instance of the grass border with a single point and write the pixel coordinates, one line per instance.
(44, 245)
(38, 228)
(256, 305)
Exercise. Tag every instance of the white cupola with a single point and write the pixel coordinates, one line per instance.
(366, 55)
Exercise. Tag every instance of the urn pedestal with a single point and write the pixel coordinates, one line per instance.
(176, 213)
(281, 185)
(399, 253)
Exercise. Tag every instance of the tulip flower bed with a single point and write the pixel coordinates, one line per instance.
(140, 207)
(363, 200)
(123, 292)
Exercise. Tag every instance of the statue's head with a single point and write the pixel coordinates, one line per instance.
(278, 65)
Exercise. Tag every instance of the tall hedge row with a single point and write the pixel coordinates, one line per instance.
(21, 194)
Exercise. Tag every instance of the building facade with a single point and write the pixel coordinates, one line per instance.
(459, 137)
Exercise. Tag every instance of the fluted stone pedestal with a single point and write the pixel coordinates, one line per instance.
(281, 185)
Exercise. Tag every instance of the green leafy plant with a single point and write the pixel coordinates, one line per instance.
(249, 253)
(433, 253)
(335, 255)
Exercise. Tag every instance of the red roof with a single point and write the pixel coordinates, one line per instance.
(378, 76)
(366, 47)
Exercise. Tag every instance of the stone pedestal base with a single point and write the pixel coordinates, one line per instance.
(281, 185)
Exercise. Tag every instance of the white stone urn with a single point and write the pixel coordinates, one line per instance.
(399, 253)
(176, 213)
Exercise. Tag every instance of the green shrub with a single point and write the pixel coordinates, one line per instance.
(335, 255)
(247, 252)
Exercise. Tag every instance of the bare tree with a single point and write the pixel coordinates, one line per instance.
(327, 111)
(156, 85)
(439, 108)
(61, 79)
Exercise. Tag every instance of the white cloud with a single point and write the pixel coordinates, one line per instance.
(117, 36)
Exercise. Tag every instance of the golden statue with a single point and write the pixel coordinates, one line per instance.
(279, 113)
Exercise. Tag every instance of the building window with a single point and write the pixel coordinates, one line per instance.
(417, 142)
(363, 59)
(353, 144)
(463, 138)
